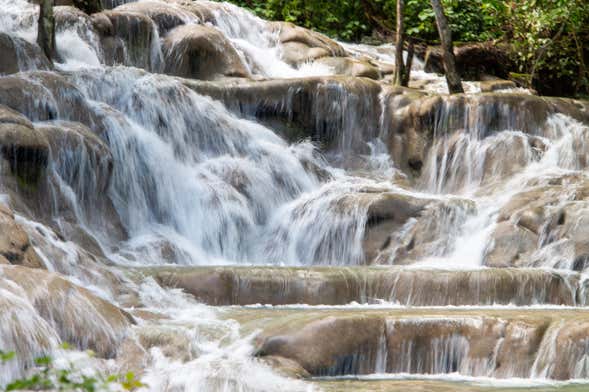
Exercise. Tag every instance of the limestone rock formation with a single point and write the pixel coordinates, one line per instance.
(76, 315)
(501, 344)
(166, 16)
(330, 346)
(343, 285)
(542, 227)
(315, 107)
(15, 246)
(20, 55)
(127, 37)
(351, 67)
(24, 149)
(300, 45)
(201, 52)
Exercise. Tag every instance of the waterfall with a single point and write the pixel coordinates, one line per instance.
(284, 220)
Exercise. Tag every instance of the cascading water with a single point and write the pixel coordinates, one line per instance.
(144, 172)
(259, 43)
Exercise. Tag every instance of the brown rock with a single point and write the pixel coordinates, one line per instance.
(512, 245)
(18, 55)
(301, 45)
(201, 52)
(15, 246)
(25, 149)
(127, 39)
(79, 317)
(351, 67)
(165, 15)
(329, 346)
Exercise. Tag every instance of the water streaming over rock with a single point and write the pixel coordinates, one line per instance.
(119, 167)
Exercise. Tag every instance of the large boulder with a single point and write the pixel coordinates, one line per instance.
(201, 52)
(127, 37)
(300, 45)
(349, 66)
(386, 215)
(166, 16)
(512, 245)
(17, 54)
(67, 17)
(430, 231)
(42, 96)
(330, 346)
(74, 314)
(543, 226)
(24, 149)
(15, 245)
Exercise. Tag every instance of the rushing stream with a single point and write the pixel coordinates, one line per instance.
(457, 256)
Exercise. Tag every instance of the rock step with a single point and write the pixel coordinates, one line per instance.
(548, 343)
(428, 385)
(343, 285)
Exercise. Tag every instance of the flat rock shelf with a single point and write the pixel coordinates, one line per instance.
(219, 203)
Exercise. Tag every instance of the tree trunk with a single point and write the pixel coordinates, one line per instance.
(89, 6)
(46, 29)
(452, 76)
(409, 63)
(399, 64)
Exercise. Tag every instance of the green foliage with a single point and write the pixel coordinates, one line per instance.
(6, 356)
(549, 38)
(343, 18)
(474, 20)
(48, 377)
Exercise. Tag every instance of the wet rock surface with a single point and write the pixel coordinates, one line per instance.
(344, 285)
(301, 45)
(71, 312)
(502, 344)
(20, 55)
(15, 245)
(201, 52)
(24, 149)
(416, 232)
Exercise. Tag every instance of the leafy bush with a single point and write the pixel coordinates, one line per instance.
(474, 20)
(549, 38)
(46, 376)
